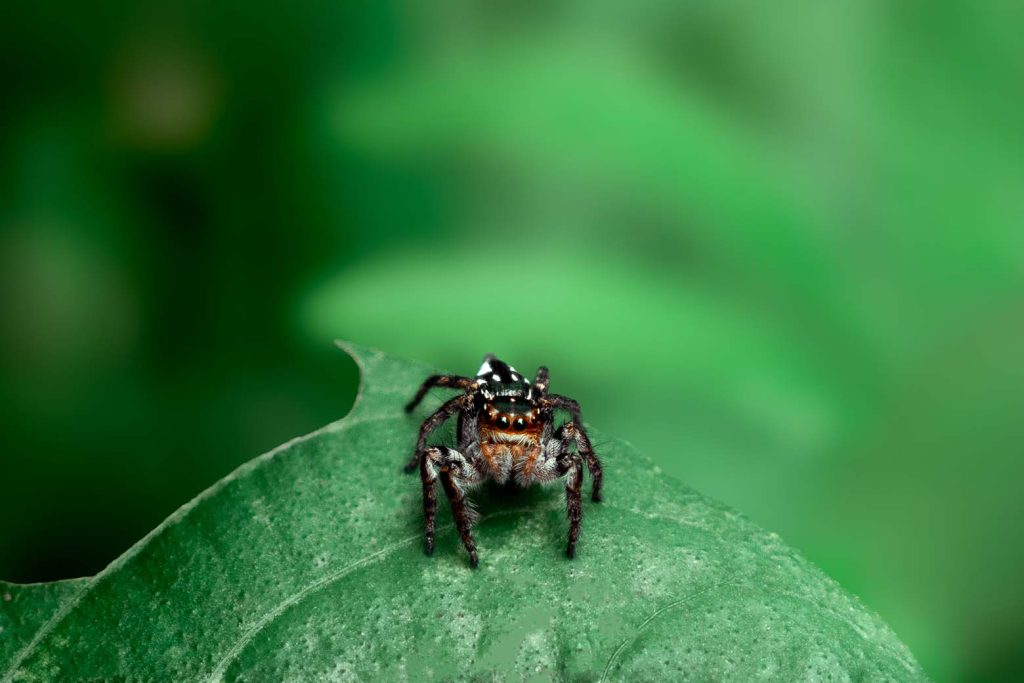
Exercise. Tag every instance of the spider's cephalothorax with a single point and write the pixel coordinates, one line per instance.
(506, 430)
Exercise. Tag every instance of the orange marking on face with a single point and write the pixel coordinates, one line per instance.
(489, 451)
(531, 460)
(493, 433)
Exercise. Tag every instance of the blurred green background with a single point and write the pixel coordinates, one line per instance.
(778, 246)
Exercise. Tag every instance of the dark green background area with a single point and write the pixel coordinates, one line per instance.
(779, 247)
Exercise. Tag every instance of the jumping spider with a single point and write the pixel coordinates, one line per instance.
(505, 430)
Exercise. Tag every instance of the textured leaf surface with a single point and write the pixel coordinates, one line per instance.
(25, 608)
(307, 563)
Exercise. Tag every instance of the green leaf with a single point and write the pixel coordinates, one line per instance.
(307, 564)
(24, 608)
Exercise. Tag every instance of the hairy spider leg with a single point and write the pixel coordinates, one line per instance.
(541, 381)
(578, 434)
(429, 479)
(451, 381)
(450, 408)
(455, 472)
(572, 466)
(563, 403)
(463, 516)
(569, 464)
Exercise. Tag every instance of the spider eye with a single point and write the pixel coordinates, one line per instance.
(519, 425)
(501, 421)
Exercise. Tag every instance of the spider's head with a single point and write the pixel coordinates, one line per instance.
(509, 397)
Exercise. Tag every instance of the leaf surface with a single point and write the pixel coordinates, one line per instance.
(307, 564)
(25, 608)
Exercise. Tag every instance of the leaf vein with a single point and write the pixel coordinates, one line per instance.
(658, 612)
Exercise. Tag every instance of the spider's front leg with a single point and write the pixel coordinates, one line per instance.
(455, 473)
(573, 432)
(571, 466)
(450, 408)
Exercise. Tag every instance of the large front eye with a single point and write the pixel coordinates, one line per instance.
(519, 425)
(502, 421)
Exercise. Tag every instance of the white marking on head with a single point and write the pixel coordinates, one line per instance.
(485, 368)
(496, 377)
